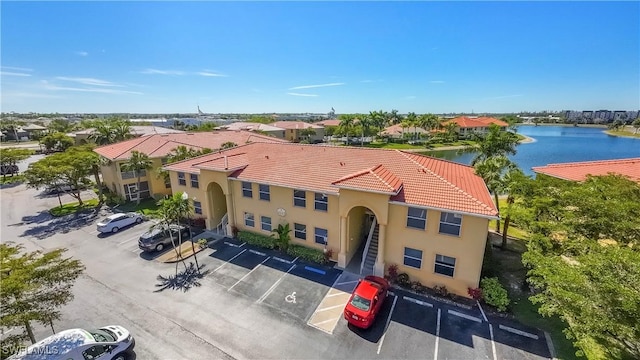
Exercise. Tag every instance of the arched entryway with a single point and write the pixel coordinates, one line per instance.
(362, 243)
(217, 205)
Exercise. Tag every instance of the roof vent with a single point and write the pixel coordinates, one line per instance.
(266, 156)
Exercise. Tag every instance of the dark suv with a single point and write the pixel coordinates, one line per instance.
(158, 238)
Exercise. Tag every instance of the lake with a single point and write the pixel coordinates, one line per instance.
(559, 144)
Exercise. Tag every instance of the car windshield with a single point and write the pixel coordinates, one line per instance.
(361, 303)
(103, 335)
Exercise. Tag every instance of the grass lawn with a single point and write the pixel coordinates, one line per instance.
(148, 207)
(623, 133)
(72, 208)
(12, 179)
(513, 230)
(432, 146)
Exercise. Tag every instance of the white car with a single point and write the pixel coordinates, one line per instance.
(108, 343)
(113, 223)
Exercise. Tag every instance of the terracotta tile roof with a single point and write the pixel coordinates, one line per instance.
(398, 130)
(331, 122)
(377, 178)
(578, 171)
(417, 179)
(294, 125)
(468, 122)
(160, 145)
(251, 126)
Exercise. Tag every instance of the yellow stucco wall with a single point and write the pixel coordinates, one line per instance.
(282, 198)
(111, 175)
(468, 249)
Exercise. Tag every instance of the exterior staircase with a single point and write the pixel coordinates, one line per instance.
(371, 253)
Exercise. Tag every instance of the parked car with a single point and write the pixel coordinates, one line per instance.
(365, 301)
(159, 237)
(107, 343)
(113, 223)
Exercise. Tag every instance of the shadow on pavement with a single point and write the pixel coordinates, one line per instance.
(185, 280)
(62, 224)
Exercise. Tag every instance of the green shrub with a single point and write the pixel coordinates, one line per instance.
(403, 280)
(306, 253)
(494, 294)
(257, 239)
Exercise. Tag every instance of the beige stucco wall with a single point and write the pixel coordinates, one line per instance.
(282, 198)
(111, 175)
(468, 249)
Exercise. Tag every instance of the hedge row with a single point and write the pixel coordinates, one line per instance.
(257, 239)
(303, 252)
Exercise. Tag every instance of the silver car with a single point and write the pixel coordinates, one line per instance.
(113, 223)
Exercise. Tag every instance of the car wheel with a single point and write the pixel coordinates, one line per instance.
(159, 247)
(121, 356)
(115, 229)
(138, 220)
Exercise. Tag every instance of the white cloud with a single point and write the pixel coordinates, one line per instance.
(88, 81)
(436, 82)
(11, 73)
(299, 94)
(210, 74)
(14, 68)
(97, 90)
(410, 97)
(82, 53)
(30, 95)
(162, 72)
(315, 86)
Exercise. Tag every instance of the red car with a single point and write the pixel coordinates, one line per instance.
(366, 301)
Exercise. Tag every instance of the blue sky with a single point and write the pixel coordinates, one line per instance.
(246, 57)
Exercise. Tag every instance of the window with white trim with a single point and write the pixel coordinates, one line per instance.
(321, 236)
(450, 223)
(197, 207)
(416, 218)
(247, 190)
(181, 179)
(445, 265)
(413, 257)
(300, 231)
(265, 223)
(249, 220)
(321, 202)
(299, 198)
(194, 181)
(264, 192)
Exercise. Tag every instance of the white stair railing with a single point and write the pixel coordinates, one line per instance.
(222, 226)
(366, 247)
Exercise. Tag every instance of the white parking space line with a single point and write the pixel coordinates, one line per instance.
(330, 307)
(249, 273)
(464, 316)
(264, 296)
(386, 327)
(493, 343)
(345, 283)
(257, 252)
(519, 332)
(126, 241)
(416, 301)
(482, 311)
(230, 260)
(435, 350)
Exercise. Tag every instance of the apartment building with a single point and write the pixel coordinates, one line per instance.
(158, 147)
(372, 207)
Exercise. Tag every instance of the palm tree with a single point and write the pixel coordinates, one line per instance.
(365, 124)
(636, 125)
(102, 134)
(394, 117)
(229, 145)
(169, 216)
(404, 124)
(346, 123)
(138, 162)
(412, 120)
(378, 120)
(428, 122)
(121, 130)
(495, 143)
(515, 183)
(492, 170)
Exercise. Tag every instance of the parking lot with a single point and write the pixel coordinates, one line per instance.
(286, 298)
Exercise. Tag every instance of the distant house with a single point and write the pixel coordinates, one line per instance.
(465, 126)
(397, 131)
(157, 147)
(266, 129)
(578, 171)
(331, 122)
(295, 131)
(84, 136)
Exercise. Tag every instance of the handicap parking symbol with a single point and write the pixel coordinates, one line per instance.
(291, 298)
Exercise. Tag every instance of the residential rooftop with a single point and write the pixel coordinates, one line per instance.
(407, 177)
(578, 171)
(160, 145)
(472, 122)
